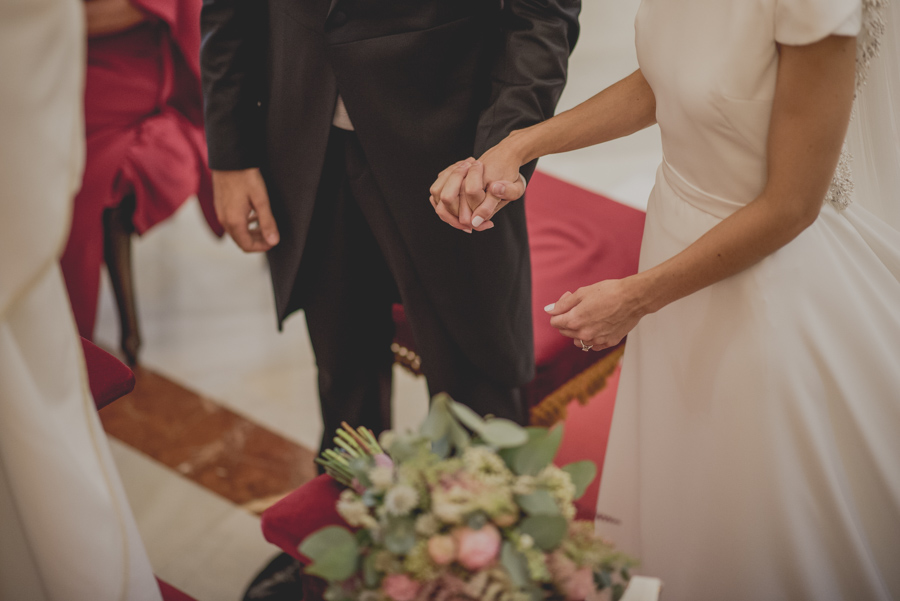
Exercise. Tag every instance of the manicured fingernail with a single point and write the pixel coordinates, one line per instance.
(272, 239)
(549, 307)
(499, 189)
(477, 221)
(468, 231)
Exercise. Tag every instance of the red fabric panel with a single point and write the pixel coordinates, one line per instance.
(170, 593)
(585, 435)
(576, 238)
(309, 508)
(108, 377)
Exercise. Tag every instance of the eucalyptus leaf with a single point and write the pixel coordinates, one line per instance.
(546, 530)
(370, 574)
(437, 423)
(515, 564)
(441, 447)
(469, 418)
(334, 552)
(538, 452)
(503, 433)
(540, 502)
(582, 473)
(458, 436)
(400, 535)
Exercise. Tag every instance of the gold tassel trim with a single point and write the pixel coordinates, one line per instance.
(407, 358)
(552, 409)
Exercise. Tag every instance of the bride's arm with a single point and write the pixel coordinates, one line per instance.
(810, 114)
(622, 109)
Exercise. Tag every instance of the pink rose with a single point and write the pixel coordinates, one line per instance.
(442, 549)
(382, 460)
(400, 587)
(477, 548)
(579, 585)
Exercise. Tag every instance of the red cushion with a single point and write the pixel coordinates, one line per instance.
(170, 593)
(585, 435)
(109, 378)
(307, 509)
(576, 238)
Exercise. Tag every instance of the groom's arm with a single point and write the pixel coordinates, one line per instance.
(233, 64)
(530, 72)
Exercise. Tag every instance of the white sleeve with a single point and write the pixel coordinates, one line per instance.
(801, 22)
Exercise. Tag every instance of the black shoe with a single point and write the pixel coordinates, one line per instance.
(281, 580)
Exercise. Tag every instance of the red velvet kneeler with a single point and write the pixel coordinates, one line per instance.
(108, 377)
(309, 508)
(585, 437)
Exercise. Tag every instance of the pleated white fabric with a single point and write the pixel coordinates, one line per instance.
(66, 531)
(755, 445)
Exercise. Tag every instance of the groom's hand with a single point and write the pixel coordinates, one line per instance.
(242, 206)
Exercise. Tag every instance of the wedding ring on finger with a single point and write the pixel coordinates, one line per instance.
(585, 347)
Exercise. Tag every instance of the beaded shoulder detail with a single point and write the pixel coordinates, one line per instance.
(840, 192)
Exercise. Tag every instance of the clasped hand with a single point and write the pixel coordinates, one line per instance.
(600, 315)
(469, 193)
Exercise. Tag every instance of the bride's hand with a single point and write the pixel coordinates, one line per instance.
(600, 315)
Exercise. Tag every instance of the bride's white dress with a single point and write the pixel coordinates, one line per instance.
(755, 446)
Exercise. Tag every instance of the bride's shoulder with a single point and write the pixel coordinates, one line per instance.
(800, 22)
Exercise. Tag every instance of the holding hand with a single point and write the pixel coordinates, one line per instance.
(242, 206)
(600, 315)
(469, 193)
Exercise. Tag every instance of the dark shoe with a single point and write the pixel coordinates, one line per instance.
(281, 580)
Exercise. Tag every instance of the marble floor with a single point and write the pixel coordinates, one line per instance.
(212, 356)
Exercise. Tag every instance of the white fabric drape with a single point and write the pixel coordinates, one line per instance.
(874, 136)
(66, 531)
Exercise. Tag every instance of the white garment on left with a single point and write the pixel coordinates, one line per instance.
(66, 530)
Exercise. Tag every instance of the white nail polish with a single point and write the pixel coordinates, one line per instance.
(477, 221)
(549, 307)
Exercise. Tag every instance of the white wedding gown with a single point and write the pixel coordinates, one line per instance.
(755, 446)
(66, 530)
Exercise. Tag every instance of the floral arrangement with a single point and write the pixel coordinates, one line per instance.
(466, 509)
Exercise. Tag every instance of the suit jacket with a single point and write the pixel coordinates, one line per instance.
(426, 83)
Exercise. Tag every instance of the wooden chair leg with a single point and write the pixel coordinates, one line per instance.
(117, 228)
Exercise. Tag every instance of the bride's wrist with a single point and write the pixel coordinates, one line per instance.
(644, 289)
(519, 144)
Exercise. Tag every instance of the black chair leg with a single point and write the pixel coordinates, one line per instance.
(117, 228)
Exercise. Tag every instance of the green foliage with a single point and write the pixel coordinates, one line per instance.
(540, 502)
(546, 530)
(537, 453)
(503, 433)
(515, 564)
(334, 552)
(582, 473)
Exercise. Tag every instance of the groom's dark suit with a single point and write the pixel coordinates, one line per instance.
(425, 83)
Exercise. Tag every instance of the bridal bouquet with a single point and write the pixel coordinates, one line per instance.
(466, 509)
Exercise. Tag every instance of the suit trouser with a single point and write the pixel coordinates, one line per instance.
(354, 268)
